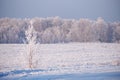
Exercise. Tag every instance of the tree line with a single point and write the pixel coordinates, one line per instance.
(59, 30)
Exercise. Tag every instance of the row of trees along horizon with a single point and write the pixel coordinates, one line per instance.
(59, 30)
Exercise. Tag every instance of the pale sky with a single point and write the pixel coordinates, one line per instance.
(71, 9)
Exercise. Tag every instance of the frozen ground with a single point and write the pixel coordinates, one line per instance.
(73, 61)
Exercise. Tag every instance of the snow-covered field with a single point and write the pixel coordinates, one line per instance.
(73, 61)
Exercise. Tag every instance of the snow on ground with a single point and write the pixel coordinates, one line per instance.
(60, 59)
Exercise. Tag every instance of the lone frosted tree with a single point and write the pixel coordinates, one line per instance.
(31, 37)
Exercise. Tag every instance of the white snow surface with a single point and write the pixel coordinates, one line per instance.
(62, 58)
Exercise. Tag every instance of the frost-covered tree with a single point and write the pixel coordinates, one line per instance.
(58, 30)
(116, 32)
(31, 37)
